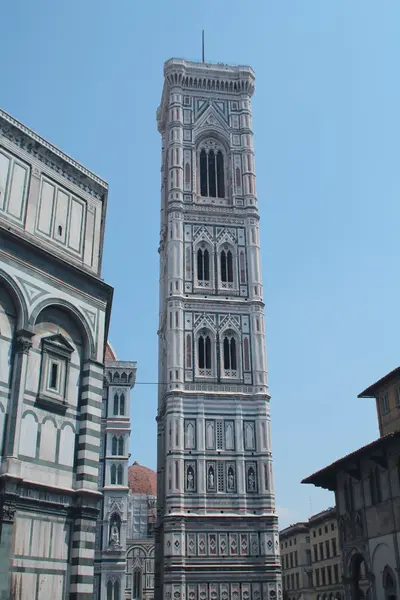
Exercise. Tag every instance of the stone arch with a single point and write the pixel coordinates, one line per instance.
(77, 317)
(29, 434)
(219, 135)
(389, 583)
(357, 570)
(66, 452)
(17, 299)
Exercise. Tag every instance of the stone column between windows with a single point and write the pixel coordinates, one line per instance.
(90, 402)
(22, 345)
(241, 486)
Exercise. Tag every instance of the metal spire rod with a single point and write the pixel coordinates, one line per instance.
(202, 45)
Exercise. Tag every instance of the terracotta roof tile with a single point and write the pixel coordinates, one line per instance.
(142, 480)
(109, 353)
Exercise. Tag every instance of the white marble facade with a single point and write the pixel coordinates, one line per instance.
(217, 530)
(54, 313)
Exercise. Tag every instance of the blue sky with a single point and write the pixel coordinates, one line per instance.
(88, 76)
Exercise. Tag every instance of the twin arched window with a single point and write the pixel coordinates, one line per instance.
(117, 475)
(229, 351)
(212, 183)
(117, 446)
(119, 404)
(226, 265)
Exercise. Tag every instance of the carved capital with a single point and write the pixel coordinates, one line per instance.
(23, 341)
(8, 513)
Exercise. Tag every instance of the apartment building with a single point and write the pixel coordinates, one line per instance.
(296, 562)
(310, 558)
(326, 561)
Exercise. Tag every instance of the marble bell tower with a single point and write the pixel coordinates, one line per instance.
(217, 530)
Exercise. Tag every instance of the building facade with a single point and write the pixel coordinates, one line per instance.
(325, 556)
(54, 314)
(112, 528)
(296, 562)
(311, 559)
(217, 530)
(367, 489)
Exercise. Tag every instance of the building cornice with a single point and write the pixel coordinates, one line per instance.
(52, 156)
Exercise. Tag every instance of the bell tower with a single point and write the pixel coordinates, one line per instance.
(217, 531)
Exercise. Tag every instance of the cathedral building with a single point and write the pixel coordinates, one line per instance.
(54, 315)
(217, 529)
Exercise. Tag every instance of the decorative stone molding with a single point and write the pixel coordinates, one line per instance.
(51, 156)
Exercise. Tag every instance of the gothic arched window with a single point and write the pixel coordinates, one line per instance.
(114, 445)
(204, 352)
(122, 404)
(121, 446)
(113, 477)
(226, 266)
(212, 184)
(120, 475)
(116, 399)
(203, 264)
(188, 352)
(230, 360)
(137, 585)
(110, 590)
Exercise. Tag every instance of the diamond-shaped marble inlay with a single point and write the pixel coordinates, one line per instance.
(176, 544)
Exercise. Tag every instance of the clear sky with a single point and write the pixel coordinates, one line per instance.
(88, 74)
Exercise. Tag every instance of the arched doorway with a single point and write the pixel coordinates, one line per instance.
(389, 583)
(358, 575)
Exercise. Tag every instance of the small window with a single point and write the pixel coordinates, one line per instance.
(53, 383)
(398, 396)
(384, 404)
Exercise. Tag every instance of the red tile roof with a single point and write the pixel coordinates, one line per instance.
(109, 353)
(142, 480)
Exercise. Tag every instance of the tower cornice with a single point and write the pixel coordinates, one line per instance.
(231, 80)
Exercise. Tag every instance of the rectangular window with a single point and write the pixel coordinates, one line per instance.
(327, 549)
(315, 548)
(384, 404)
(317, 582)
(334, 552)
(295, 558)
(398, 396)
(321, 551)
(292, 581)
(297, 581)
(307, 539)
(323, 576)
(53, 375)
(329, 573)
(336, 573)
(308, 557)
